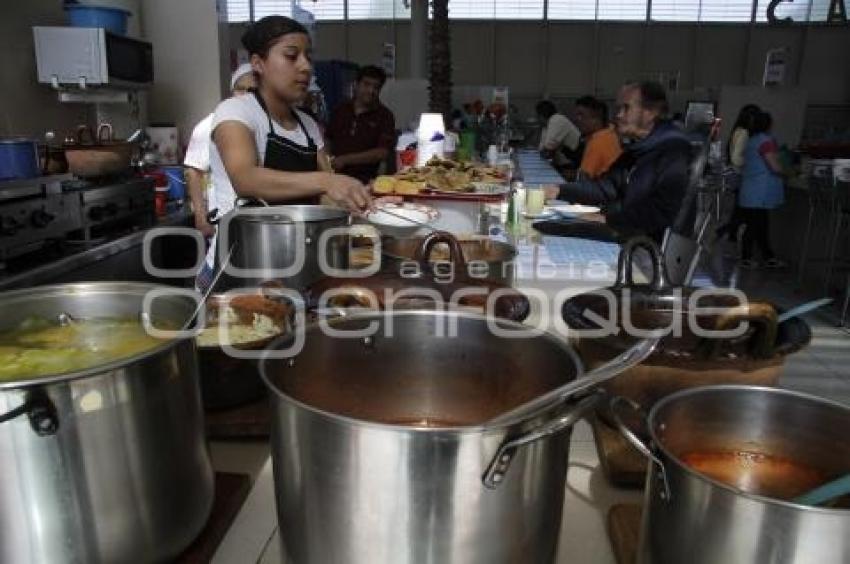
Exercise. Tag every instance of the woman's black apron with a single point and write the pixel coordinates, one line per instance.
(281, 154)
(285, 155)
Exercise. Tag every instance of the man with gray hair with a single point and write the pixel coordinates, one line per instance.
(643, 190)
(197, 161)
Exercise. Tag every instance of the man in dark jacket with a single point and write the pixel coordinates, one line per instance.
(643, 190)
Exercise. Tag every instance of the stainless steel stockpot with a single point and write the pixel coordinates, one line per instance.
(108, 464)
(690, 517)
(383, 452)
(282, 243)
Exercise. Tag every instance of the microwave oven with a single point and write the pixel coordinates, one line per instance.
(84, 56)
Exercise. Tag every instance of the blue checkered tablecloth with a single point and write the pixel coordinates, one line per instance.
(535, 170)
(572, 250)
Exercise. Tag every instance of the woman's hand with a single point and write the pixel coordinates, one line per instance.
(348, 193)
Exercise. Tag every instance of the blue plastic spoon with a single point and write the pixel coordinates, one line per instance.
(826, 492)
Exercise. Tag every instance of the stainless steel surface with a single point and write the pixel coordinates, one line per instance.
(112, 202)
(125, 474)
(706, 522)
(77, 266)
(275, 237)
(592, 379)
(55, 208)
(379, 444)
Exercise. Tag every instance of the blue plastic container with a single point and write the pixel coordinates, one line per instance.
(18, 158)
(113, 20)
(176, 182)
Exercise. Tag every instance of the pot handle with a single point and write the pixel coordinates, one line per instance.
(104, 127)
(242, 202)
(624, 263)
(500, 463)
(40, 411)
(636, 442)
(759, 313)
(426, 247)
(82, 130)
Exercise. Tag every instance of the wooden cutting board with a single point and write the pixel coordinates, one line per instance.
(623, 465)
(624, 531)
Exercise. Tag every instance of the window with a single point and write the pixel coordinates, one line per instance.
(263, 8)
(238, 11)
(517, 10)
(377, 10)
(470, 9)
(325, 10)
(675, 10)
(726, 10)
(623, 10)
(580, 10)
(701, 10)
(572, 9)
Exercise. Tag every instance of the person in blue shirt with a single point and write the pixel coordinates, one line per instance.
(762, 190)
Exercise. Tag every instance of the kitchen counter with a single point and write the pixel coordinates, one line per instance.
(546, 267)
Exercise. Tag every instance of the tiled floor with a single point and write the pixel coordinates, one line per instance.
(822, 368)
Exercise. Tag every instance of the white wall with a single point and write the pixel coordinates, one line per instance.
(187, 61)
(26, 107)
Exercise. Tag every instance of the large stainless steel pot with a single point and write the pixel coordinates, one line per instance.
(282, 243)
(108, 464)
(689, 517)
(383, 454)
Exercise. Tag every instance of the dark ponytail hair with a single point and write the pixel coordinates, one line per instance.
(744, 121)
(260, 37)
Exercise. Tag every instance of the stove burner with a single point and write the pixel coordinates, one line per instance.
(60, 208)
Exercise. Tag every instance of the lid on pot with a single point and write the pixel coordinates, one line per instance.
(289, 214)
(69, 331)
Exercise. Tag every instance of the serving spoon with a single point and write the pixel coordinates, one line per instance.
(826, 492)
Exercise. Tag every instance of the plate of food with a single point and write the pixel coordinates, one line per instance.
(445, 176)
(403, 219)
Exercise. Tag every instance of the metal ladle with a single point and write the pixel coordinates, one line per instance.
(595, 377)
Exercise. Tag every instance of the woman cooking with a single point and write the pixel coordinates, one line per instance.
(262, 146)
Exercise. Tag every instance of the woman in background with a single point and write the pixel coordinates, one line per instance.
(762, 190)
(735, 156)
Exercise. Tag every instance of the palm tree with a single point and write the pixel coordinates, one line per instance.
(440, 61)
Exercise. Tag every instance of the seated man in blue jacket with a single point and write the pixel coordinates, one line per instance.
(643, 190)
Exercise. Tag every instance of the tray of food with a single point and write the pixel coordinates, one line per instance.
(443, 177)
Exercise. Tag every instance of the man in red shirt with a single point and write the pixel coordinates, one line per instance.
(361, 133)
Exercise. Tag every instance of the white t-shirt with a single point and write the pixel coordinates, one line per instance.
(560, 131)
(198, 151)
(246, 110)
